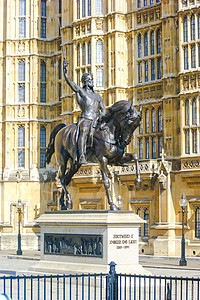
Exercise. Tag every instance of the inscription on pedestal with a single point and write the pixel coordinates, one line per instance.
(73, 244)
(123, 241)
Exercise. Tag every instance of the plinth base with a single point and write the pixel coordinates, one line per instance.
(87, 241)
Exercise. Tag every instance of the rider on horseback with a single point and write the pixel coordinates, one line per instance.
(90, 104)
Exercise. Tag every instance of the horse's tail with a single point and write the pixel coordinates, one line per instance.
(51, 149)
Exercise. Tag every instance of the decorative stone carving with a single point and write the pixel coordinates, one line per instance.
(184, 2)
(83, 29)
(193, 81)
(77, 29)
(151, 16)
(145, 17)
(158, 14)
(162, 179)
(89, 27)
(21, 46)
(21, 112)
(139, 19)
(185, 82)
(191, 164)
(99, 24)
(198, 80)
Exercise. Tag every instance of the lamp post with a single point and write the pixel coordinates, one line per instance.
(183, 204)
(19, 207)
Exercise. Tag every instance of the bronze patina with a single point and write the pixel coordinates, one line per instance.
(111, 133)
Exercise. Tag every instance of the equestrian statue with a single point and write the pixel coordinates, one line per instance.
(98, 137)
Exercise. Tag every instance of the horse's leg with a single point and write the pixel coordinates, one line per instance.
(105, 175)
(61, 175)
(73, 169)
(127, 157)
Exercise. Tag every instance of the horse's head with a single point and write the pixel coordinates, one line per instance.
(131, 122)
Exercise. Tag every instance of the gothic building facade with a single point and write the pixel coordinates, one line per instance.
(144, 51)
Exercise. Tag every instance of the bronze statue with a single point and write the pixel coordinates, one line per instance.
(90, 104)
(110, 137)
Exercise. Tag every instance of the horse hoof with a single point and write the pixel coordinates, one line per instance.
(113, 207)
(63, 207)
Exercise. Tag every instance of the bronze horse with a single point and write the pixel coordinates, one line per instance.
(110, 137)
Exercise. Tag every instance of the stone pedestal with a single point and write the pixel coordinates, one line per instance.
(87, 241)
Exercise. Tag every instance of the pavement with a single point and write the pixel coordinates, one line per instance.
(13, 264)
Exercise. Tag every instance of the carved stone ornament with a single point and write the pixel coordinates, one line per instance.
(99, 24)
(198, 80)
(89, 26)
(193, 81)
(157, 14)
(162, 179)
(184, 2)
(21, 46)
(77, 29)
(151, 15)
(83, 28)
(185, 82)
(21, 112)
(145, 17)
(139, 19)
(191, 1)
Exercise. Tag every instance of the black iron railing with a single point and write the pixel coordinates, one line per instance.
(109, 286)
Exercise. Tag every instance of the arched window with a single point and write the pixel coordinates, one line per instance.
(192, 22)
(187, 113)
(99, 52)
(89, 7)
(141, 126)
(158, 40)
(83, 8)
(139, 72)
(159, 68)
(138, 3)
(199, 26)
(59, 69)
(21, 146)
(147, 148)
(146, 121)
(99, 7)
(185, 29)
(146, 225)
(153, 69)
(89, 53)
(21, 71)
(197, 222)
(153, 120)
(153, 147)
(140, 148)
(99, 77)
(193, 56)
(22, 18)
(160, 119)
(43, 18)
(139, 46)
(78, 55)
(186, 65)
(138, 212)
(78, 9)
(42, 146)
(21, 83)
(146, 44)
(42, 81)
(194, 140)
(187, 141)
(146, 70)
(83, 54)
(194, 111)
(152, 42)
(160, 146)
